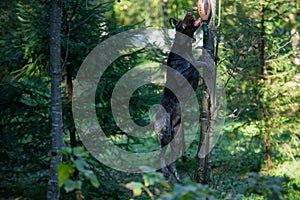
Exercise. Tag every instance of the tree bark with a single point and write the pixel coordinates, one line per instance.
(70, 119)
(204, 156)
(265, 78)
(72, 131)
(53, 190)
(165, 13)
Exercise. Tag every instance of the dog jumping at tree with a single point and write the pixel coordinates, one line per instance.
(168, 124)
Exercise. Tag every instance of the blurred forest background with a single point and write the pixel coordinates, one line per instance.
(258, 154)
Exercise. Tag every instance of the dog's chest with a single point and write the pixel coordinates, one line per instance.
(182, 72)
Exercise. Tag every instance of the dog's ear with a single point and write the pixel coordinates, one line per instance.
(173, 22)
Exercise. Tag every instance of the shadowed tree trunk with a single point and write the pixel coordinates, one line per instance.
(53, 191)
(71, 127)
(203, 164)
(165, 13)
(265, 78)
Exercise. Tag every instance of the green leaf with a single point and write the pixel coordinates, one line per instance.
(69, 185)
(94, 181)
(92, 177)
(136, 188)
(68, 150)
(81, 164)
(88, 173)
(64, 171)
(78, 185)
(79, 151)
(152, 178)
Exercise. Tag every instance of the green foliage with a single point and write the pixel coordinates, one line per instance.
(155, 186)
(271, 108)
(140, 102)
(34, 30)
(25, 137)
(267, 186)
(191, 190)
(150, 13)
(25, 102)
(238, 158)
(11, 57)
(150, 179)
(74, 170)
(238, 161)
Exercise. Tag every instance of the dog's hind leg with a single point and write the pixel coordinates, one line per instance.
(162, 128)
(166, 139)
(184, 154)
(163, 165)
(176, 146)
(173, 169)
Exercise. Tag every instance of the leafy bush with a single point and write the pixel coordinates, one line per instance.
(75, 170)
(267, 186)
(155, 184)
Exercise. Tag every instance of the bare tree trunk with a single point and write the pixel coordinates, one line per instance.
(165, 14)
(53, 191)
(204, 156)
(262, 43)
(73, 139)
(71, 125)
(265, 78)
(147, 11)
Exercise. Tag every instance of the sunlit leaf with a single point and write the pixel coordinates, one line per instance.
(64, 171)
(136, 188)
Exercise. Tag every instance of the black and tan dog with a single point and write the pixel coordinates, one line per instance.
(168, 124)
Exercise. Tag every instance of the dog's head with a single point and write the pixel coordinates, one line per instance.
(187, 26)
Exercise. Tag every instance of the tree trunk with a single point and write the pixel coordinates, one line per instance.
(72, 131)
(165, 13)
(203, 164)
(265, 78)
(71, 125)
(53, 191)
(146, 12)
